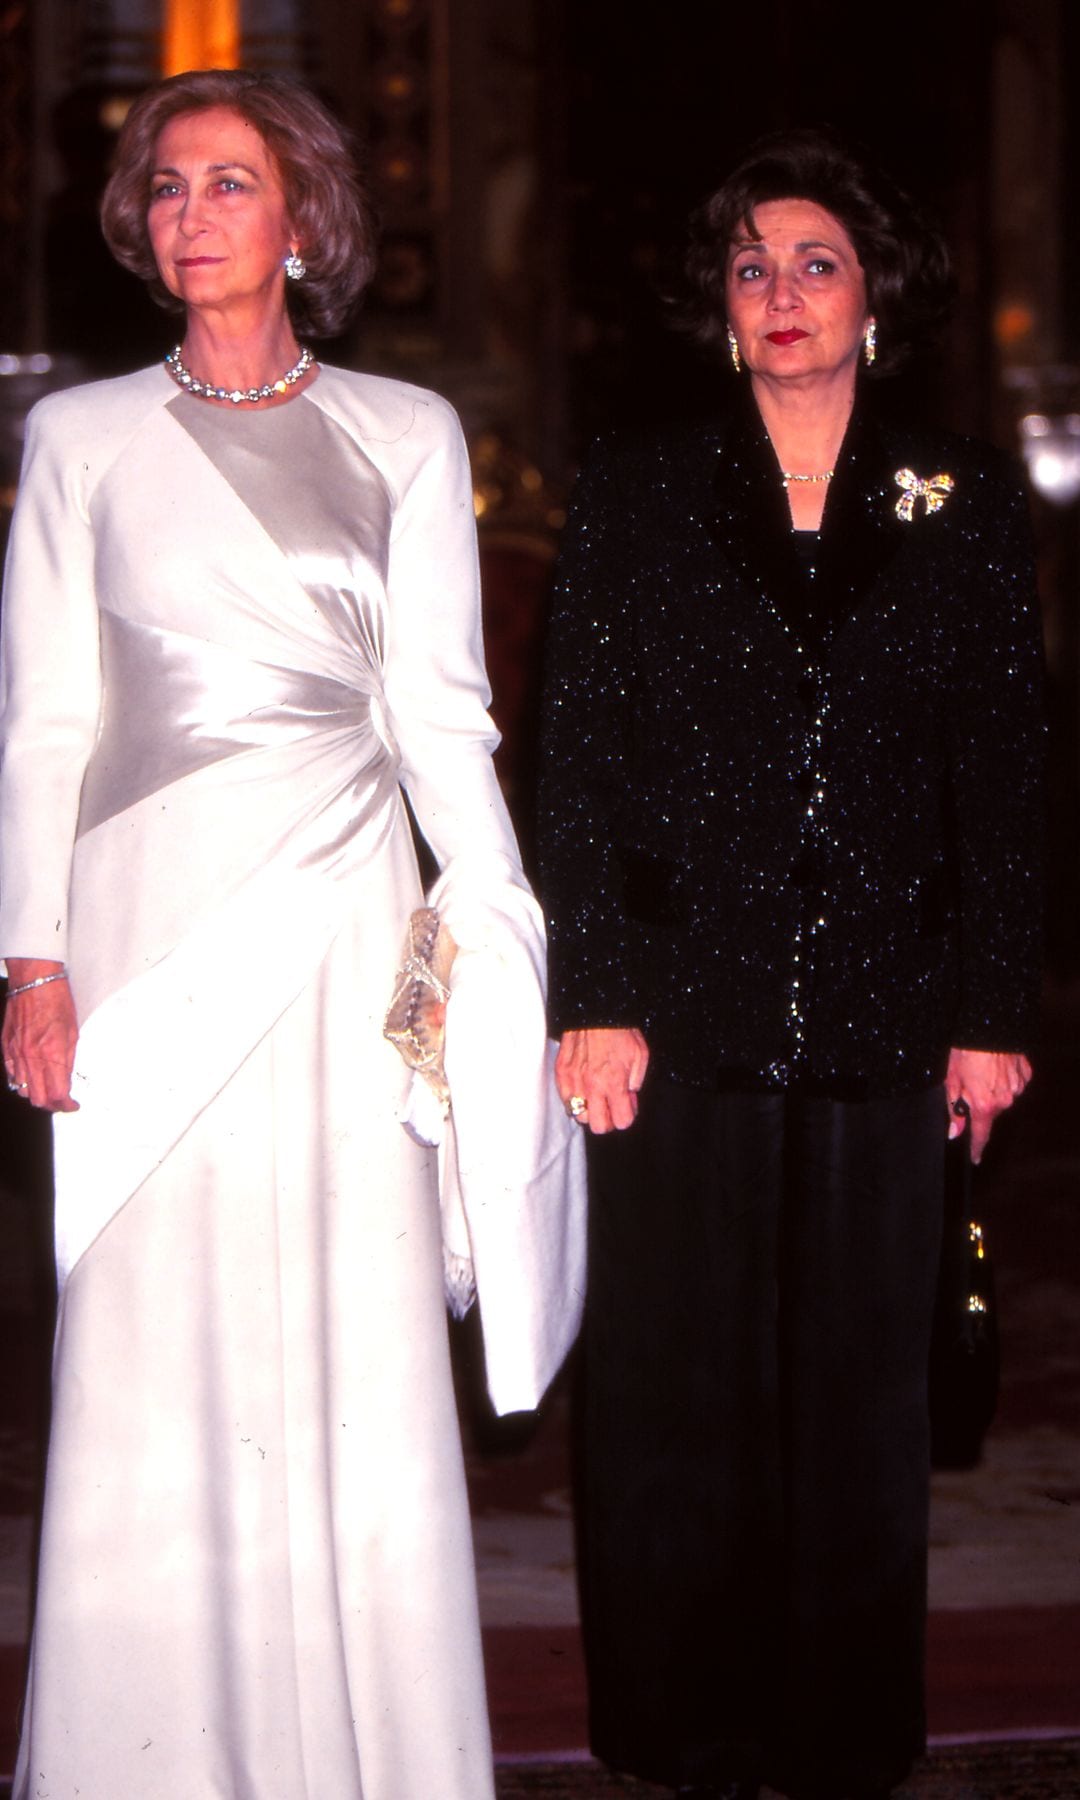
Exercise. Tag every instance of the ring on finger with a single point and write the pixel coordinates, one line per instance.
(17, 1087)
(577, 1106)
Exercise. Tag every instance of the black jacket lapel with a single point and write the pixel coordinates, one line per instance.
(752, 524)
(860, 532)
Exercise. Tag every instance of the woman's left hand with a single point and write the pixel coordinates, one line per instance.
(987, 1081)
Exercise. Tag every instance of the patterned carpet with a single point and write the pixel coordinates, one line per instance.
(1017, 1771)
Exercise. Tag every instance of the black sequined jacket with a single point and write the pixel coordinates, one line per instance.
(790, 822)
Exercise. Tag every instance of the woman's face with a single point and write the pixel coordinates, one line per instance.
(796, 293)
(217, 216)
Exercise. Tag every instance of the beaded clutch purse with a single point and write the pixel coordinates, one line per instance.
(415, 1022)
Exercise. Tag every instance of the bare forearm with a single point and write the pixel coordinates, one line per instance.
(29, 968)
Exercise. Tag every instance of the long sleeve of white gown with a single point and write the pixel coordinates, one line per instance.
(50, 687)
(435, 681)
(513, 1162)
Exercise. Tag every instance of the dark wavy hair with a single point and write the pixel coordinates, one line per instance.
(327, 203)
(909, 284)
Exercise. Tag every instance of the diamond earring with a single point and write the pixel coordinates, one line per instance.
(870, 342)
(295, 266)
(733, 347)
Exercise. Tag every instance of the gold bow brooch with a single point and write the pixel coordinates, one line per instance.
(935, 490)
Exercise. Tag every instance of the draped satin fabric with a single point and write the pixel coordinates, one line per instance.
(288, 763)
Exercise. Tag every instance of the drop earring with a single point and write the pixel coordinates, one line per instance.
(295, 266)
(870, 342)
(733, 347)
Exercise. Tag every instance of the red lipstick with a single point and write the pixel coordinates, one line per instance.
(791, 336)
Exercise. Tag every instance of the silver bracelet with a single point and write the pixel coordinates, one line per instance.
(42, 981)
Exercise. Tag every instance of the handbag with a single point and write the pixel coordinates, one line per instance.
(965, 1346)
(415, 1022)
(416, 1025)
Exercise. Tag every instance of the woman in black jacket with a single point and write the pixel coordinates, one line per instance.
(791, 853)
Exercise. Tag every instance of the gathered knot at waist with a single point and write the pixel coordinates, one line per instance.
(174, 704)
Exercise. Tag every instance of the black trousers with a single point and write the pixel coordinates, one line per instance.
(756, 1455)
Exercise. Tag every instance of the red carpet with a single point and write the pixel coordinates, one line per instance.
(997, 1674)
(1011, 1673)
(1004, 1674)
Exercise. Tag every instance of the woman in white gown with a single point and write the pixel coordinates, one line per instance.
(241, 615)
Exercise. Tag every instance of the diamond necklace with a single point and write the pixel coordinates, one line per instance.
(185, 379)
(787, 476)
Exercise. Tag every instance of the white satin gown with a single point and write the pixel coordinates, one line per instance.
(229, 637)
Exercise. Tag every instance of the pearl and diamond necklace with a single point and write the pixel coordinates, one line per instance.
(205, 391)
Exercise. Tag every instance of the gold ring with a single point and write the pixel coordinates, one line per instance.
(577, 1105)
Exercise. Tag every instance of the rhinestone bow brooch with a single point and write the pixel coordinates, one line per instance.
(935, 490)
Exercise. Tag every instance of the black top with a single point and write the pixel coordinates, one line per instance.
(791, 824)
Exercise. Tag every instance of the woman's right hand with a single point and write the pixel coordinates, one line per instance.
(39, 1037)
(605, 1067)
